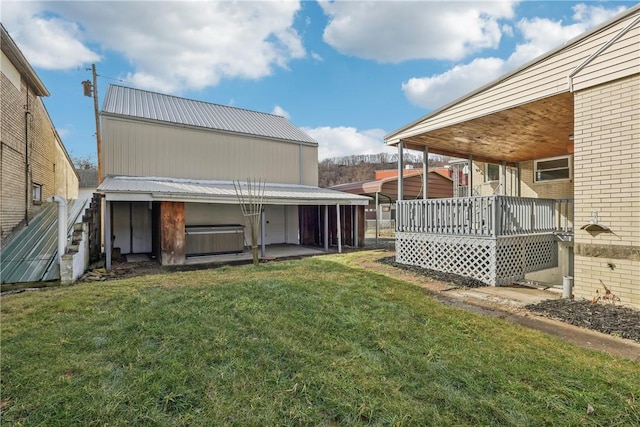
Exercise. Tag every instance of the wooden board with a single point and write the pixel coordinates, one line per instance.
(172, 233)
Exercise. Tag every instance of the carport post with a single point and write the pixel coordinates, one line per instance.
(107, 234)
(326, 228)
(338, 226)
(263, 226)
(354, 210)
(377, 220)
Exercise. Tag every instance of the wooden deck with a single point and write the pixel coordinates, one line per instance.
(495, 239)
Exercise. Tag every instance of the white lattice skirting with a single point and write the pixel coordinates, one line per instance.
(494, 261)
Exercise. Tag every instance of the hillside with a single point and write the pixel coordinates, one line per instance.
(341, 170)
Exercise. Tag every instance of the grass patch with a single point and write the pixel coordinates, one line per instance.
(309, 342)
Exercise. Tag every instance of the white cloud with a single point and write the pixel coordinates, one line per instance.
(47, 42)
(435, 91)
(347, 141)
(539, 35)
(279, 111)
(388, 31)
(172, 46)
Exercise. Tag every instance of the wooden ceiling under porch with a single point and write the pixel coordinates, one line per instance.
(535, 130)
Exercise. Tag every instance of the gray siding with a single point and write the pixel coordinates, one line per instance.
(137, 148)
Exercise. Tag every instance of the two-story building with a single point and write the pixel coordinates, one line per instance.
(171, 167)
(34, 164)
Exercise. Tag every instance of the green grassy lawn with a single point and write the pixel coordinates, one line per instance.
(310, 342)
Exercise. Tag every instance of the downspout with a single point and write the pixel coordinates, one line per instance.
(27, 114)
(62, 224)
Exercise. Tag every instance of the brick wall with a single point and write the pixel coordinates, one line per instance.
(49, 165)
(607, 180)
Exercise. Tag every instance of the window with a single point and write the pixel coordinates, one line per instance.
(37, 193)
(491, 172)
(553, 169)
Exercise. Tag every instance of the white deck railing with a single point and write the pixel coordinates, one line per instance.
(485, 216)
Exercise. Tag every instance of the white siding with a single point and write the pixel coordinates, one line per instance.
(547, 77)
(620, 60)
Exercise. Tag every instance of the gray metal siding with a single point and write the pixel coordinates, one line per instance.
(149, 149)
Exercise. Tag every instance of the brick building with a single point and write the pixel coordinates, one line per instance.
(554, 151)
(34, 163)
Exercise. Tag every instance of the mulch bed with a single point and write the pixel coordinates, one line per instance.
(607, 318)
(456, 279)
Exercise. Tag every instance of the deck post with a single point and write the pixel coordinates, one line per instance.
(503, 177)
(518, 180)
(470, 176)
(425, 185)
(400, 186)
(400, 171)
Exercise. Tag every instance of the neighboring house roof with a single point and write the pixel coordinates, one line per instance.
(127, 188)
(528, 113)
(88, 177)
(141, 104)
(439, 186)
(11, 50)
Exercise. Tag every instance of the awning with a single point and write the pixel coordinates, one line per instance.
(130, 188)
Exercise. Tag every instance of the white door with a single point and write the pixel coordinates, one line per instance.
(132, 227)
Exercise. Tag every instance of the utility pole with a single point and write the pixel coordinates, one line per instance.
(92, 90)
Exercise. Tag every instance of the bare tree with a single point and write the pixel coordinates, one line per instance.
(250, 196)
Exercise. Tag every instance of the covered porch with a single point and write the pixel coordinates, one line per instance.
(182, 221)
(498, 233)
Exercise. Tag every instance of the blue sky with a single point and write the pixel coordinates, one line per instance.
(346, 72)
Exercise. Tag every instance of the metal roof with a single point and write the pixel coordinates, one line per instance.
(159, 188)
(439, 186)
(30, 256)
(142, 104)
